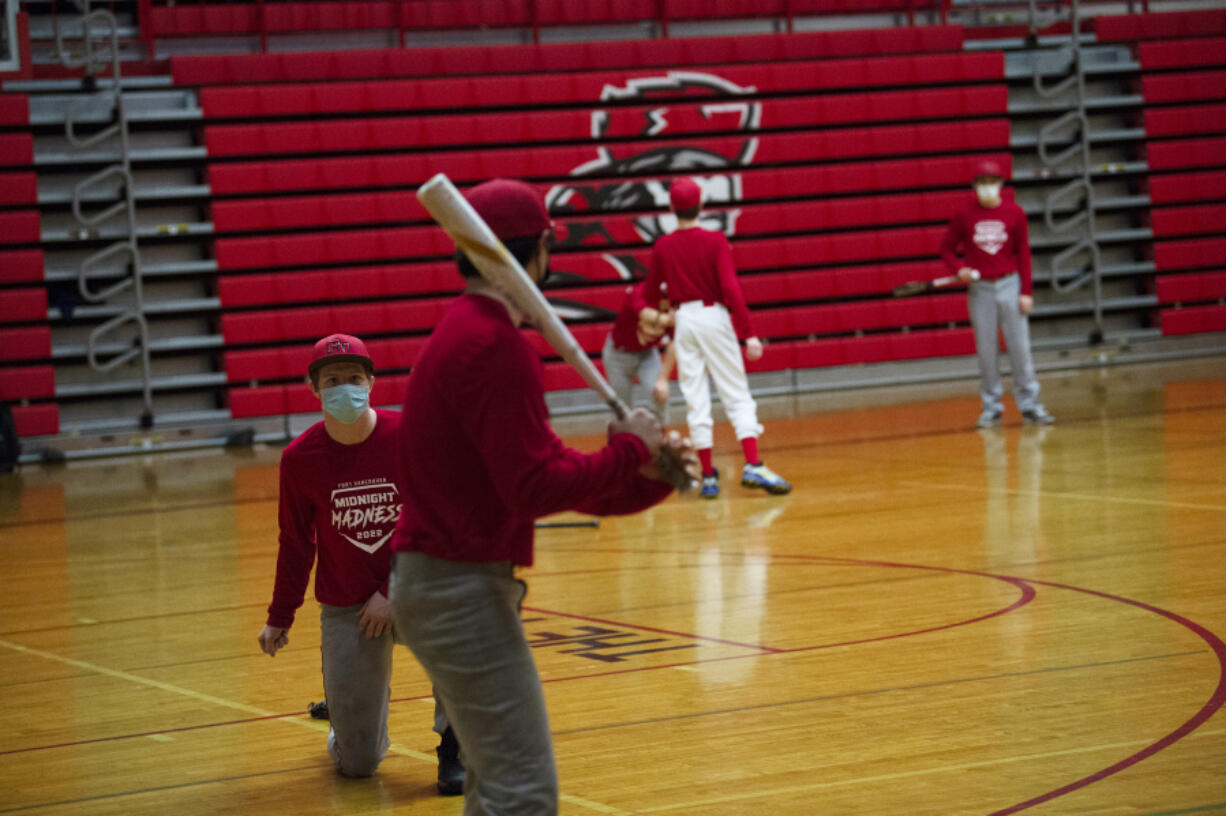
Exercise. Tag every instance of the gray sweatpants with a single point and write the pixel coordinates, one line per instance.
(357, 685)
(462, 621)
(993, 306)
(621, 367)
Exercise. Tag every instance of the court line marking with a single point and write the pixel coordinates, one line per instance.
(261, 714)
(989, 763)
(1055, 494)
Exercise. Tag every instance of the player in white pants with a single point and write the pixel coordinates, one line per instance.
(696, 265)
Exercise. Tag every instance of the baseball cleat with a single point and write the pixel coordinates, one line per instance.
(451, 771)
(1037, 416)
(988, 419)
(710, 485)
(761, 476)
(318, 711)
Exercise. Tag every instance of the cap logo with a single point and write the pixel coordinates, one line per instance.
(337, 346)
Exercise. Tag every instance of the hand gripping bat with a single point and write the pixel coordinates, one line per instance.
(919, 287)
(498, 266)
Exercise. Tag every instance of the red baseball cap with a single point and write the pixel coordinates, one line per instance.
(339, 348)
(684, 194)
(989, 168)
(512, 208)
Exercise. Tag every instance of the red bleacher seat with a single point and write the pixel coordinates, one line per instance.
(388, 171)
(1189, 254)
(1190, 288)
(1194, 320)
(368, 319)
(1201, 219)
(1183, 87)
(333, 247)
(14, 109)
(354, 14)
(335, 285)
(1160, 25)
(1170, 188)
(23, 305)
(27, 382)
(1185, 121)
(39, 419)
(1177, 153)
(18, 188)
(32, 343)
(20, 227)
(500, 60)
(1155, 56)
(21, 266)
(290, 362)
(530, 163)
(201, 20)
(16, 149)
(315, 211)
(520, 91)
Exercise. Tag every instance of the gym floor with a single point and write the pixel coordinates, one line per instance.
(938, 620)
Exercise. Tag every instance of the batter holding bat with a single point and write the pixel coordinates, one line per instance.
(987, 246)
(696, 264)
(479, 463)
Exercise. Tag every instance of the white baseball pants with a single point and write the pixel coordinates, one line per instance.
(707, 348)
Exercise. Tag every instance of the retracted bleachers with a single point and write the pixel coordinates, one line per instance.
(27, 379)
(833, 173)
(1183, 63)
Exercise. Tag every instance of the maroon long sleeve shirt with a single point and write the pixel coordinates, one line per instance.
(993, 240)
(478, 460)
(339, 502)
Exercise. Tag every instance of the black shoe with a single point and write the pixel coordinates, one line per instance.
(318, 711)
(450, 770)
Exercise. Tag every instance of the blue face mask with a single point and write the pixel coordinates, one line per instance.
(346, 403)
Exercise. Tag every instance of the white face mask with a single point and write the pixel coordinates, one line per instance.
(988, 192)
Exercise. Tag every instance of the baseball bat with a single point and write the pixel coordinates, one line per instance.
(497, 265)
(917, 287)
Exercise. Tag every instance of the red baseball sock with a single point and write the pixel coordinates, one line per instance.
(704, 456)
(750, 445)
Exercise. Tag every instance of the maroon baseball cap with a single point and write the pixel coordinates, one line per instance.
(339, 348)
(512, 208)
(684, 194)
(989, 168)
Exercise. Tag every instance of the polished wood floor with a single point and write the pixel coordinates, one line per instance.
(937, 621)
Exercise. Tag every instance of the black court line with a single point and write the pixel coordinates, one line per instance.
(874, 692)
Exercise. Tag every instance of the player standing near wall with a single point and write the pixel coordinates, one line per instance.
(990, 236)
(339, 497)
(711, 316)
(633, 349)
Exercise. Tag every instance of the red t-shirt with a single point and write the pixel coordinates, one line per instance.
(626, 327)
(341, 501)
(995, 240)
(478, 460)
(696, 263)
